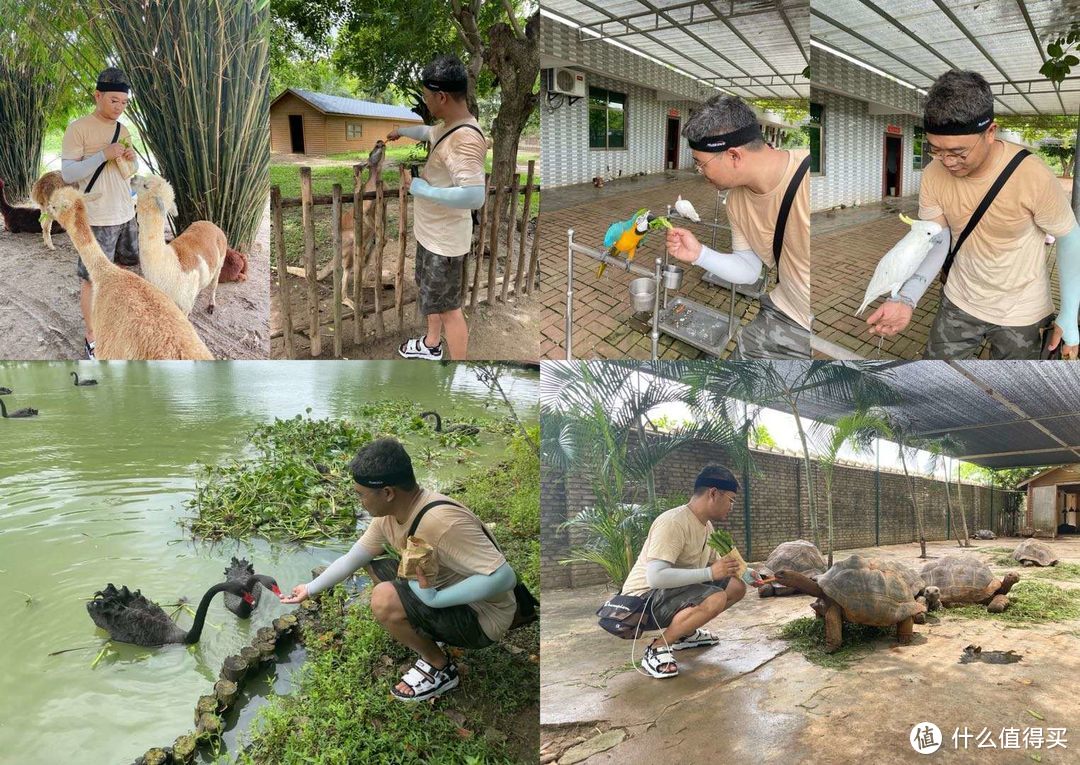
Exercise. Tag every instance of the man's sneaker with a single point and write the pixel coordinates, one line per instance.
(417, 349)
(89, 348)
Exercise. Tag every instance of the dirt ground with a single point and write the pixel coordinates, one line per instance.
(754, 699)
(39, 302)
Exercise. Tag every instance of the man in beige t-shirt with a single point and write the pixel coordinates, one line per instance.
(450, 188)
(684, 583)
(88, 151)
(998, 287)
(728, 150)
(470, 603)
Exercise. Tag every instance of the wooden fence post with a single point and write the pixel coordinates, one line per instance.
(283, 274)
(524, 227)
(358, 254)
(480, 241)
(510, 231)
(399, 278)
(309, 260)
(335, 222)
(380, 241)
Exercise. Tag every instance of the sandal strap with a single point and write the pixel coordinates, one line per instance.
(701, 634)
(659, 657)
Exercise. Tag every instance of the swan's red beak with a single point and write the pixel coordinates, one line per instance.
(248, 599)
(275, 589)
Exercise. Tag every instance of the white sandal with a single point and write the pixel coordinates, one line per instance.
(698, 639)
(416, 348)
(654, 659)
(426, 682)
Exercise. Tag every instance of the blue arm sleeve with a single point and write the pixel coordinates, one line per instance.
(1068, 261)
(75, 170)
(458, 197)
(476, 587)
(342, 568)
(660, 574)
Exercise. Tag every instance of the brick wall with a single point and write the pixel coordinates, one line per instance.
(854, 139)
(778, 508)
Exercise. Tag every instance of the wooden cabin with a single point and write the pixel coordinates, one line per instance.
(316, 124)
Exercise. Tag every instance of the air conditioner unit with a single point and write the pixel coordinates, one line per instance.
(566, 81)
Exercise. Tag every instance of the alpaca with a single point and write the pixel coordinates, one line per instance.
(348, 219)
(44, 187)
(187, 264)
(22, 220)
(132, 318)
(235, 267)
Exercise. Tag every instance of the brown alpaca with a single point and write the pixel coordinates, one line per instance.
(43, 189)
(190, 262)
(132, 318)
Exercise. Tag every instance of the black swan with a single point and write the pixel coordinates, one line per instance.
(467, 430)
(28, 412)
(129, 617)
(6, 391)
(242, 571)
(84, 382)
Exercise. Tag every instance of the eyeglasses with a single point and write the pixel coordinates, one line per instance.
(961, 155)
(700, 166)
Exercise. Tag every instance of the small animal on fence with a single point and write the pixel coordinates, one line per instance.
(348, 220)
(131, 317)
(21, 220)
(235, 267)
(189, 263)
(43, 189)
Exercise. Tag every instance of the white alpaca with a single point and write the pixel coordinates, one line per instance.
(190, 262)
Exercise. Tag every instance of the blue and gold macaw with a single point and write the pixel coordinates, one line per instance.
(625, 235)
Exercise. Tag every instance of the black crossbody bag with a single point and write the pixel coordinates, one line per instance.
(526, 601)
(984, 204)
(101, 167)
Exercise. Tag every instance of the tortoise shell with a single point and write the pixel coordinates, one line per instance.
(911, 576)
(1035, 551)
(800, 556)
(869, 592)
(961, 578)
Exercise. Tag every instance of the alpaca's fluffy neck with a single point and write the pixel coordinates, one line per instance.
(155, 256)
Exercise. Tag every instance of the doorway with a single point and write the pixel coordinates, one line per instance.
(296, 133)
(891, 167)
(671, 154)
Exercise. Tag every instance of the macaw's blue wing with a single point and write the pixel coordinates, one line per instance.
(615, 230)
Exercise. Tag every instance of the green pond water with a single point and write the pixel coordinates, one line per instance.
(91, 491)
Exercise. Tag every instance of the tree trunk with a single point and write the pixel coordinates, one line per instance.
(960, 505)
(948, 509)
(914, 505)
(828, 515)
(809, 482)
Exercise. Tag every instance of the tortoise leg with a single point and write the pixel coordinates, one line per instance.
(766, 591)
(1007, 583)
(998, 604)
(904, 631)
(834, 628)
(920, 618)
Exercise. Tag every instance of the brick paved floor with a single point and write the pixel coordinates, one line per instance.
(605, 326)
(844, 259)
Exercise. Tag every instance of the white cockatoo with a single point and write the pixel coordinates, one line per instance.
(685, 209)
(901, 262)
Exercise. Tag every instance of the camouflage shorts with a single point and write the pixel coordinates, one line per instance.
(956, 334)
(438, 281)
(120, 244)
(772, 335)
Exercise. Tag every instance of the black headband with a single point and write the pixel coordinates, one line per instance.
(718, 143)
(112, 87)
(976, 125)
(449, 85)
(704, 482)
(393, 479)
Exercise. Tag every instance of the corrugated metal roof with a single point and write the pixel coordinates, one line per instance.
(750, 48)
(918, 40)
(352, 107)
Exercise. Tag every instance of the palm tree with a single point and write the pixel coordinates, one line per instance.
(907, 447)
(858, 429)
(786, 385)
(593, 423)
(939, 449)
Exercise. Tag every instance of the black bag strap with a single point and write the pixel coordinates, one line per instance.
(446, 135)
(984, 204)
(101, 167)
(785, 210)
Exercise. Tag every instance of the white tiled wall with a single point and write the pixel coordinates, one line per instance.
(854, 139)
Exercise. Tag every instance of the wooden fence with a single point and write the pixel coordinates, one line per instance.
(517, 279)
